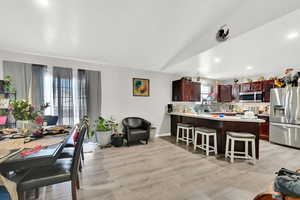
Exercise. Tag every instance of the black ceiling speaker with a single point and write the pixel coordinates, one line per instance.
(223, 33)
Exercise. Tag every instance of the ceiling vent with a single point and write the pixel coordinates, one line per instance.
(223, 33)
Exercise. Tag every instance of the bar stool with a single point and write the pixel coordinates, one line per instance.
(186, 129)
(207, 133)
(232, 137)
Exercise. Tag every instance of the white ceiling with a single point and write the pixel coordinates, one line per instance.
(267, 50)
(145, 34)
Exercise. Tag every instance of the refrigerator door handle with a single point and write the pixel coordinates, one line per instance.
(288, 104)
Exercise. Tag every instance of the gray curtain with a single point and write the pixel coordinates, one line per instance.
(63, 95)
(21, 74)
(82, 92)
(93, 94)
(38, 84)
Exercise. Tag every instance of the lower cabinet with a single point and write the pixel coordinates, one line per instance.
(264, 128)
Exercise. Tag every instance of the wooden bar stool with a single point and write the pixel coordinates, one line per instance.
(186, 130)
(206, 133)
(231, 138)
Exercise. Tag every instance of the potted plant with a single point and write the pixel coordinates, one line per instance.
(102, 132)
(7, 85)
(26, 116)
(116, 137)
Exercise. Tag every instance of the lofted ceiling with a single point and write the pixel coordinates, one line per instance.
(266, 50)
(143, 34)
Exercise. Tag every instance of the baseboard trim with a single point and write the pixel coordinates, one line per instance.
(163, 134)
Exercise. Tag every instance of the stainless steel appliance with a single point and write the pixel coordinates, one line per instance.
(250, 97)
(285, 116)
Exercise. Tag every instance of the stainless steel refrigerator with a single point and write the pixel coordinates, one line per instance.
(285, 116)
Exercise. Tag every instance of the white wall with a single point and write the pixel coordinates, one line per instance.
(119, 102)
(117, 98)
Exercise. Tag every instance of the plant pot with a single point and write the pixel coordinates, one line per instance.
(103, 138)
(24, 127)
(152, 133)
(117, 140)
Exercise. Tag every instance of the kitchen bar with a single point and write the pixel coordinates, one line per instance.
(222, 125)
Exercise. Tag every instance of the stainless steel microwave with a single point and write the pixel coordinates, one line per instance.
(250, 97)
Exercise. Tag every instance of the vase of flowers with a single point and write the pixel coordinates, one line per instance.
(28, 118)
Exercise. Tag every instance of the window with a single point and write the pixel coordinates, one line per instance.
(205, 91)
(63, 95)
(71, 93)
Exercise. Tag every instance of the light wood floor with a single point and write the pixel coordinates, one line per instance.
(162, 170)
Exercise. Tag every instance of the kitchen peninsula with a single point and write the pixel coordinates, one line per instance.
(221, 124)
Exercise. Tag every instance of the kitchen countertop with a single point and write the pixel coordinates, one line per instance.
(223, 112)
(211, 117)
(263, 115)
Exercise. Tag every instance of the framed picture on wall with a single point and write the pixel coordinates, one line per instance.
(141, 87)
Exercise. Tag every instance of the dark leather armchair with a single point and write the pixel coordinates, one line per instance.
(136, 129)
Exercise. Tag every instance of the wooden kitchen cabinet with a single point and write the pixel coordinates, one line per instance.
(184, 90)
(264, 128)
(224, 93)
(267, 86)
(235, 92)
(256, 86)
(196, 91)
(245, 87)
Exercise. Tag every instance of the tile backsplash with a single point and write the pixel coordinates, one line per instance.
(190, 107)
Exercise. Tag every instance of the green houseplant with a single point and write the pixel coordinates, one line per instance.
(102, 131)
(7, 84)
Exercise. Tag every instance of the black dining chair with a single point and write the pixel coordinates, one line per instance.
(51, 120)
(63, 170)
(69, 147)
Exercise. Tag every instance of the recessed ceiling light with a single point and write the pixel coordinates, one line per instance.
(292, 35)
(217, 60)
(249, 67)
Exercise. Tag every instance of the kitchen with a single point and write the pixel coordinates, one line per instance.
(259, 107)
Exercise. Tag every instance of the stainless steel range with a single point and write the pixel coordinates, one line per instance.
(285, 116)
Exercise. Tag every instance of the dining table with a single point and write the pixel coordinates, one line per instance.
(30, 153)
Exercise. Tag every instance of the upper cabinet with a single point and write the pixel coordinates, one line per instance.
(224, 93)
(245, 87)
(228, 93)
(196, 91)
(184, 90)
(256, 86)
(267, 86)
(235, 92)
(251, 86)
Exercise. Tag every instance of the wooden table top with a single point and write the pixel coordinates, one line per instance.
(44, 157)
